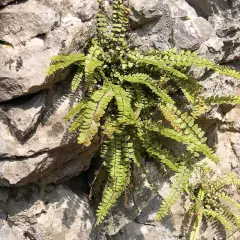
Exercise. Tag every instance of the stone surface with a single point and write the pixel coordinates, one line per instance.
(34, 144)
(23, 66)
(4, 2)
(51, 213)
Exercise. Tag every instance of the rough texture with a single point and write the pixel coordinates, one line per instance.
(37, 154)
(50, 213)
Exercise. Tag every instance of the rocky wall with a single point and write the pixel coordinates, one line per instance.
(43, 172)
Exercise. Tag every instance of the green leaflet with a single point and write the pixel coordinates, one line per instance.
(96, 107)
(118, 155)
(62, 61)
(123, 103)
(180, 181)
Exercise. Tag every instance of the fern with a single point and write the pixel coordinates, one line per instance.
(95, 110)
(130, 103)
(179, 183)
(62, 61)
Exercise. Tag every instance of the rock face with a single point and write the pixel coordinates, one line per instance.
(38, 156)
(52, 213)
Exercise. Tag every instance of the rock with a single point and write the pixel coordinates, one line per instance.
(137, 231)
(24, 63)
(7, 233)
(190, 34)
(154, 35)
(230, 121)
(184, 36)
(56, 213)
(4, 2)
(216, 84)
(180, 9)
(23, 116)
(143, 13)
(47, 154)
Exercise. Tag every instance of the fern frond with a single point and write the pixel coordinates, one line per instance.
(225, 180)
(118, 159)
(229, 199)
(92, 62)
(187, 59)
(182, 122)
(76, 81)
(216, 215)
(199, 216)
(75, 111)
(230, 215)
(140, 78)
(95, 110)
(124, 104)
(193, 143)
(160, 63)
(233, 100)
(157, 151)
(62, 61)
(180, 181)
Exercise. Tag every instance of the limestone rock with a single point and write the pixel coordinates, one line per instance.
(143, 12)
(154, 35)
(4, 2)
(56, 213)
(24, 115)
(36, 31)
(46, 154)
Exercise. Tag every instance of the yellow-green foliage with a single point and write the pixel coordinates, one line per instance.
(129, 103)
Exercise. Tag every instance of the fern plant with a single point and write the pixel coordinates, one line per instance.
(129, 102)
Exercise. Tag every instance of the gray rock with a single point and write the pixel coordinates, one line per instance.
(56, 213)
(154, 35)
(138, 231)
(184, 35)
(36, 31)
(47, 154)
(180, 9)
(143, 198)
(23, 116)
(143, 12)
(4, 2)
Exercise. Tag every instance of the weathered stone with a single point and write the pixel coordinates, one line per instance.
(56, 213)
(24, 115)
(184, 35)
(138, 231)
(154, 35)
(180, 9)
(24, 65)
(4, 2)
(143, 12)
(47, 154)
(143, 197)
